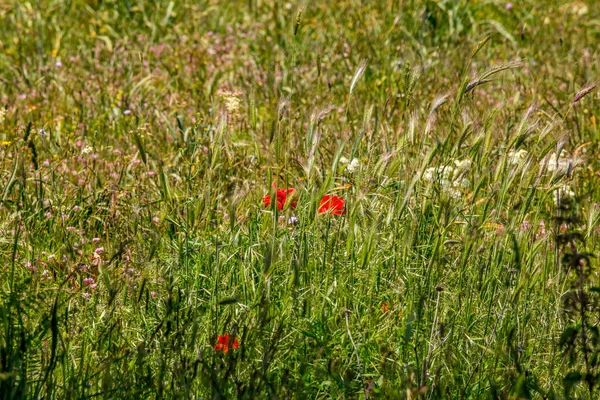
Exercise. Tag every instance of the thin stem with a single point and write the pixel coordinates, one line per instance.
(347, 313)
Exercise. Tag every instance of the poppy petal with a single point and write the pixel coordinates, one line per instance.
(281, 198)
(267, 200)
(333, 205)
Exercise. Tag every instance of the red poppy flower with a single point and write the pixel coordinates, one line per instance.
(282, 195)
(223, 343)
(333, 205)
(385, 307)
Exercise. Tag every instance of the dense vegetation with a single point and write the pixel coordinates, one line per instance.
(141, 259)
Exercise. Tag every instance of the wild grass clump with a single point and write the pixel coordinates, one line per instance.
(265, 199)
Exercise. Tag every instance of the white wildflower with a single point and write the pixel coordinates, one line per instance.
(447, 172)
(232, 100)
(454, 193)
(428, 175)
(442, 173)
(353, 166)
(87, 150)
(580, 9)
(565, 192)
(516, 157)
(451, 179)
(463, 164)
(561, 163)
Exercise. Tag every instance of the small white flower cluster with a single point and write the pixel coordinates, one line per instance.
(232, 100)
(579, 9)
(562, 163)
(559, 163)
(563, 194)
(517, 157)
(87, 150)
(566, 192)
(451, 178)
(351, 166)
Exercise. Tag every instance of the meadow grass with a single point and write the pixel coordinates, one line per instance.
(138, 138)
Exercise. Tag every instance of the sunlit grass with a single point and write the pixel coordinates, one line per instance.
(138, 140)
